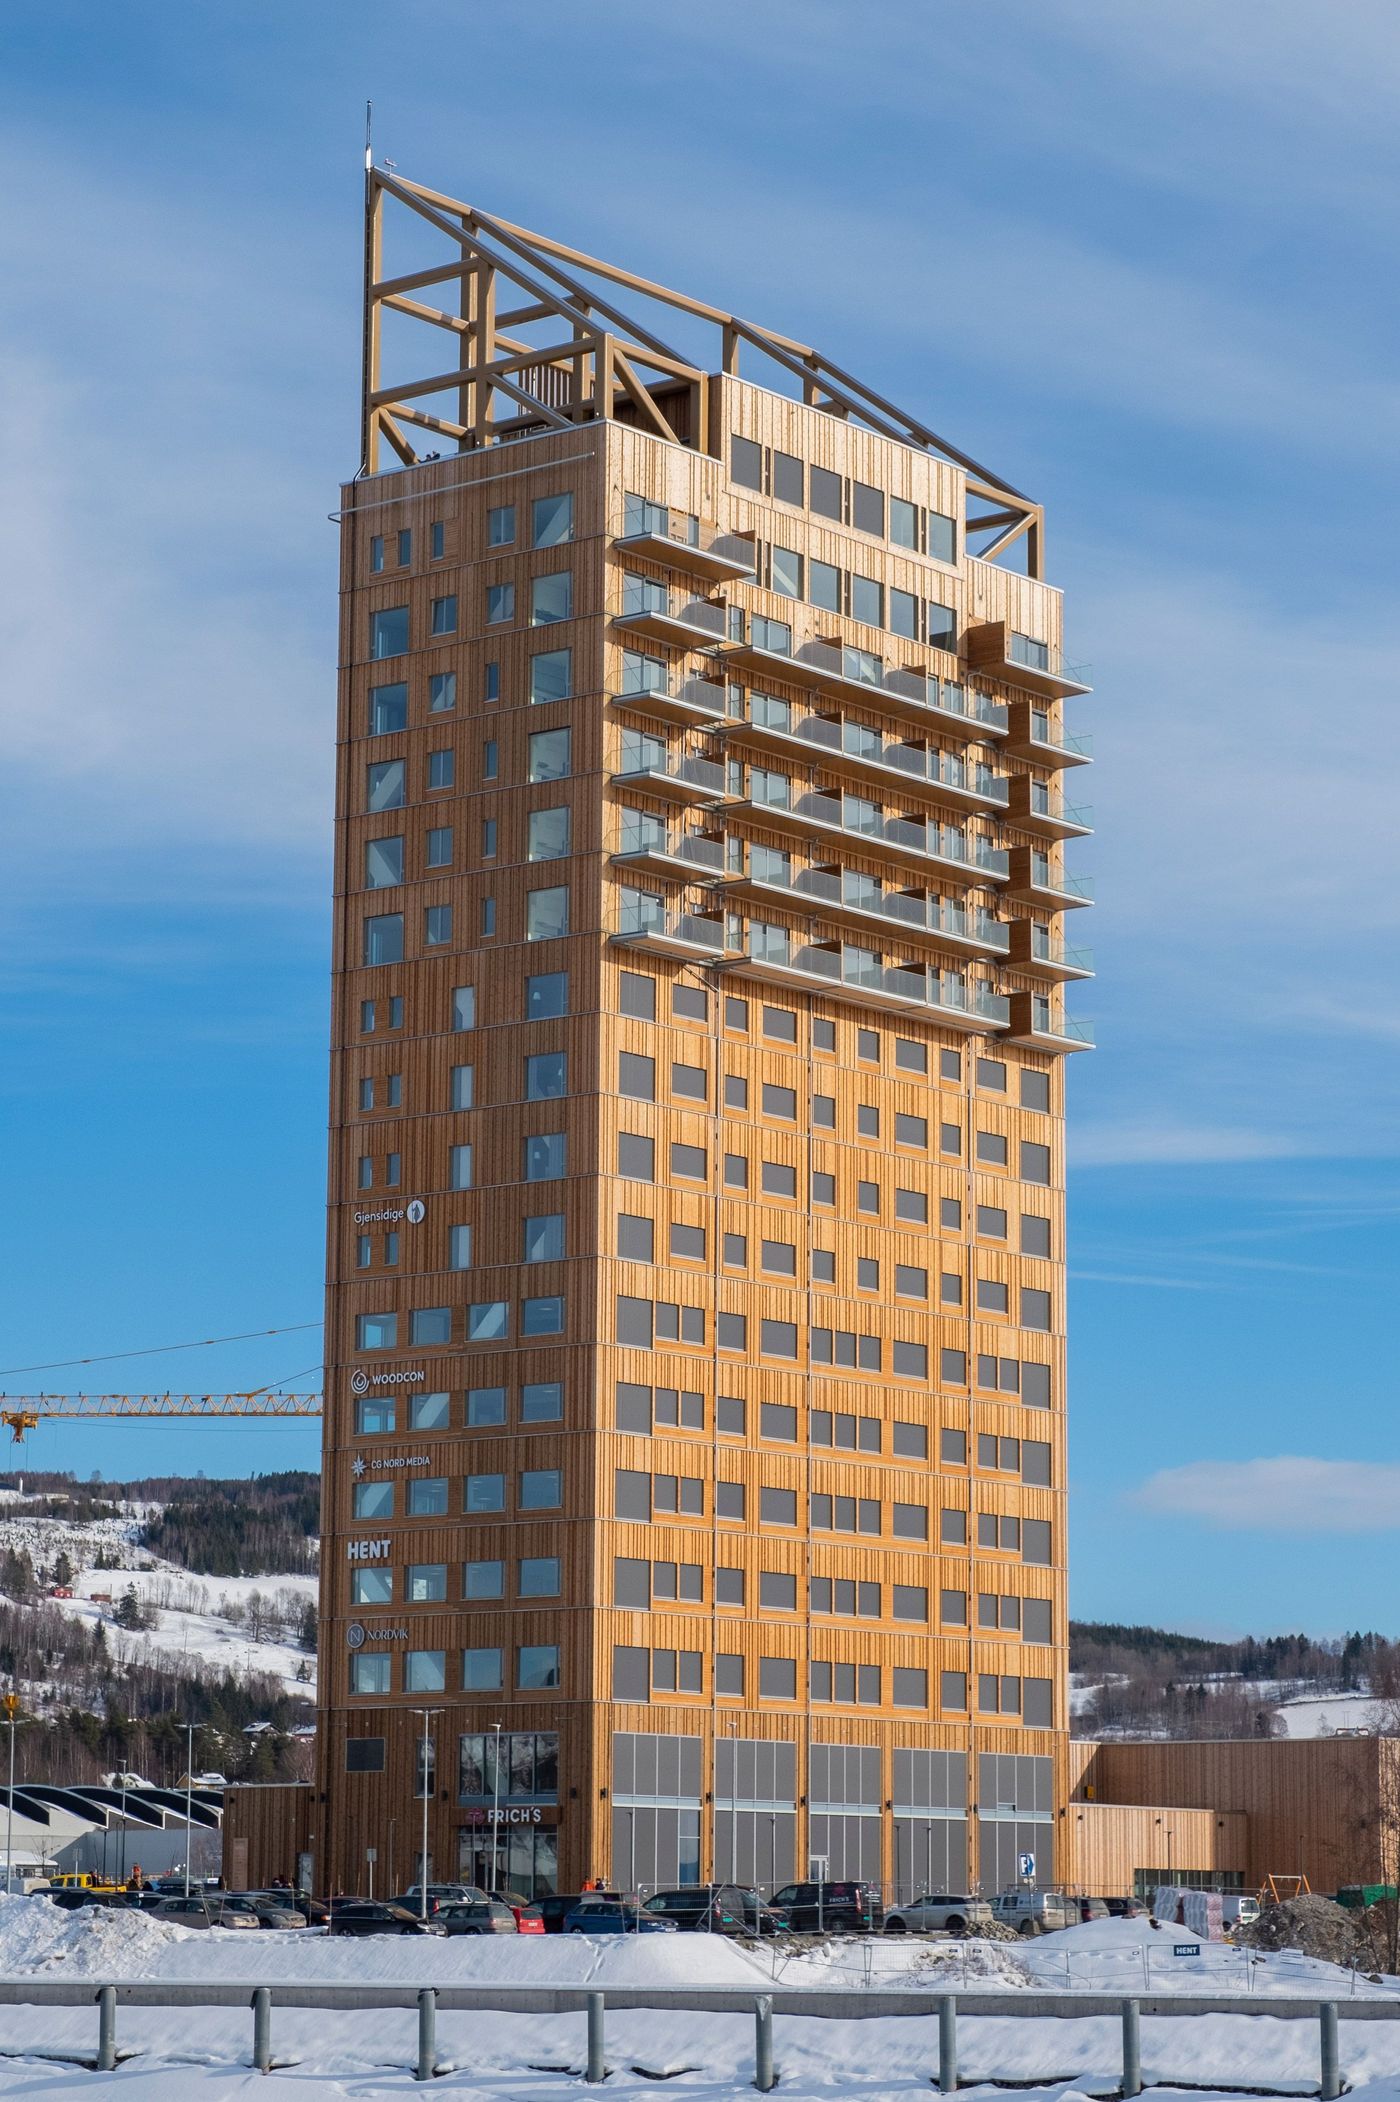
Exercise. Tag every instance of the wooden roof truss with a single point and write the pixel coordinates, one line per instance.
(534, 339)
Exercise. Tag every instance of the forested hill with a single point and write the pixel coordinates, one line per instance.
(261, 1525)
(1130, 1681)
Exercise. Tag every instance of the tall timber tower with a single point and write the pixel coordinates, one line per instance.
(694, 1462)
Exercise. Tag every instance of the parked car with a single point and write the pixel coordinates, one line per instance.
(940, 1912)
(603, 1915)
(482, 1916)
(1037, 1911)
(516, 1899)
(272, 1910)
(1125, 1908)
(376, 1916)
(78, 1900)
(531, 1921)
(210, 1909)
(842, 1908)
(715, 1908)
(554, 1908)
(439, 1894)
(314, 1911)
(1094, 1909)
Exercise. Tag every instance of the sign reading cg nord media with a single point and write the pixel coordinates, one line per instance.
(362, 1382)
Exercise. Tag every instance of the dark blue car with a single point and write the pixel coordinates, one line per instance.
(603, 1915)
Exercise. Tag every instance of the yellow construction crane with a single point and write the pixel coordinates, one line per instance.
(25, 1412)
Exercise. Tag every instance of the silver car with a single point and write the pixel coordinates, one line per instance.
(939, 1912)
(211, 1911)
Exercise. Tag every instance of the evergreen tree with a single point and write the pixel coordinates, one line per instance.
(128, 1613)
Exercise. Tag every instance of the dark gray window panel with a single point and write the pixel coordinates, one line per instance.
(631, 1673)
(631, 1493)
(631, 1582)
(1037, 1623)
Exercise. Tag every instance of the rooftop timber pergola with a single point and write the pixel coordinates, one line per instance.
(536, 340)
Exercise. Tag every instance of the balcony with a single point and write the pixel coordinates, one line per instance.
(1001, 650)
(856, 675)
(859, 979)
(678, 539)
(864, 755)
(1035, 806)
(918, 842)
(665, 933)
(689, 780)
(691, 855)
(1040, 953)
(1034, 877)
(648, 608)
(919, 918)
(1035, 735)
(673, 700)
(1041, 1025)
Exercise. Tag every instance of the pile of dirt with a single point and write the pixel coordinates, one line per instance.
(994, 1930)
(1314, 1925)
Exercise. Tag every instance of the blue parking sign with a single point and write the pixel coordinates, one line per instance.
(1026, 1865)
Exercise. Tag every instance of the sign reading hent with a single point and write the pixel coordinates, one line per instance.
(367, 1550)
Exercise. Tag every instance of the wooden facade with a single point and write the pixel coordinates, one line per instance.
(696, 1328)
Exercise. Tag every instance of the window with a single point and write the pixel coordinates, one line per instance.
(777, 1339)
(777, 1679)
(543, 1238)
(370, 1672)
(1035, 1090)
(952, 1691)
(463, 1087)
(736, 1172)
(991, 1149)
(386, 785)
(952, 1528)
(867, 1121)
(909, 1688)
(824, 582)
(374, 1415)
(546, 995)
(1035, 1234)
(636, 1076)
(542, 1401)
(440, 847)
(688, 1080)
(491, 682)
(868, 1197)
(376, 553)
(383, 862)
(688, 1161)
(746, 463)
(427, 1497)
(904, 523)
(371, 1587)
(481, 1668)
(484, 1492)
(547, 914)
(950, 1138)
(780, 1023)
(1035, 1163)
(787, 573)
(549, 755)
(911, 1206)
(490, 759)
(779, 1257)
(950, 1291)
(904, 614)
(636, 1157)
(549, 833)
(388, 632)
(546, 1156)
(459, 1248)
(441, 769)
(868, 509)
(788, 478)
(910, 1131)
(500, 525)
(538, 1577)
(388, 710)
(991, 1222)
(1035, 1309)
(991, 1296)
(500, 603)
(546, 1076)
(942, 626)
(437, 926)
(551, 597)
(551, 676)
(488, 1321)
(778, 1180)
(541, 1489)
(374, 1500)
(736, 1012)
(483, 1580)
(552, 520)
(429, 1412)
(436, 541)
(688, 1243)
(443, 615)
(637, 996)
(486, 1408)
(426, 1583)
(779, 1102)
(376, 1331)
(777, 1506)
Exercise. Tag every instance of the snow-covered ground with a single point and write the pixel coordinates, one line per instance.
(1326, 1715)
(203, 2053)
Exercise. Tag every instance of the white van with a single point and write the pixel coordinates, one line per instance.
(1037, 1911)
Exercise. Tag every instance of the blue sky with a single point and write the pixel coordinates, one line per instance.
(1137, 260)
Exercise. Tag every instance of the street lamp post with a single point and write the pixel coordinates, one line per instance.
(428, 1715)
(496, 1814)
(733, 1803)
(11, 1714)
(189, 1801)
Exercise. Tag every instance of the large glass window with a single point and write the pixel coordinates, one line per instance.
(388, 710)
(787, 573)
(824, 585)
(500, 604)
(550, 755)
(484, 1492)
(539, 1576)
(374, 1415)
(551, 675)
(543, 1239)
(552, 520)
(371, 1587)
(425, 1671)
(546, 914)
(549, 834)
(488, 1321)
(486, 1407)
(551, 597)
(427, 1496)
(541, 1489)
(388, 632)
(374, 1500)
(444, 615)
(426, 1583)
(386, 782)
(546, 995)
(483, 1580)
(867, 601)
(431, 1324)
(370, 1672)
(543, 1316)
(481, 1671)
(537, 1667)
(429, 1412)
(542, 1401)
(500, 525)
(376, 1331)
(383, 862)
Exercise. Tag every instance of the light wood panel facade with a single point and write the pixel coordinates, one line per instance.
(778, 1214)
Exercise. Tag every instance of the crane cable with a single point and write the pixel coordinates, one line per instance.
(159, 1349)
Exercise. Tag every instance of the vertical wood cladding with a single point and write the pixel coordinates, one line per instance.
(740, 1270)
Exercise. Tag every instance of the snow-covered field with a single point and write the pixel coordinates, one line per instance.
(203, 2053)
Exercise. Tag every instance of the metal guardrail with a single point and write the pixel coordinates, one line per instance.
(946, 2008)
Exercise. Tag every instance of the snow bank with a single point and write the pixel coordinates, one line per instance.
(37, 1935)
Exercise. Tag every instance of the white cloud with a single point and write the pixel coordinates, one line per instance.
(1288, 1494)
(1150, 1144)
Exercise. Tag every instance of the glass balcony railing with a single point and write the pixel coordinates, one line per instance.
(706, 776)
(856, 741)
(1045, 947)
(644, 599)
(860, 971)
(930, 915)
(691, 696)
(647, 919)
(644, 519)
(677, 539)
(640, 835)
(917, 835)
(1042, 729)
